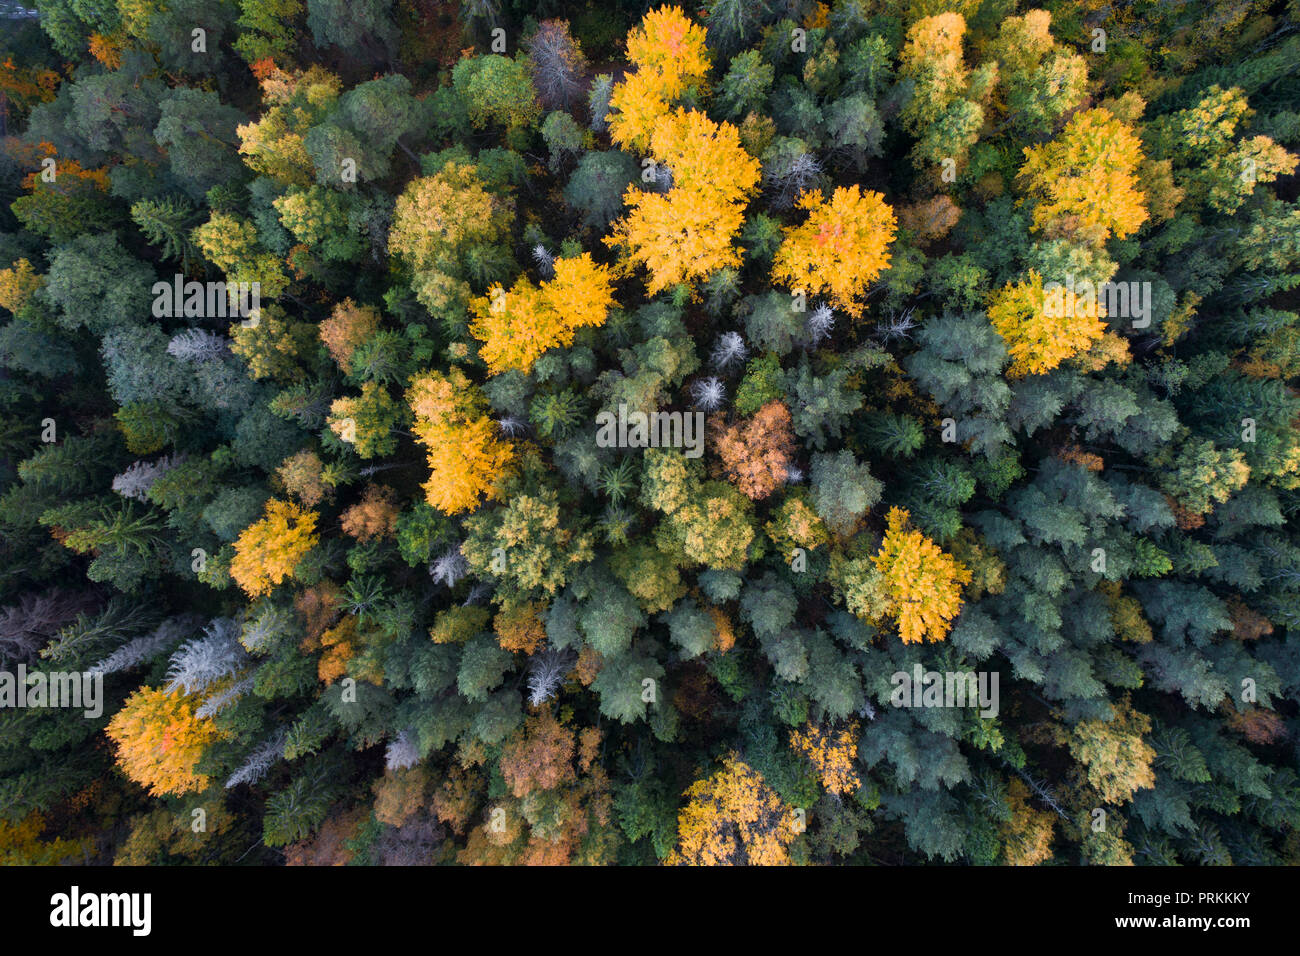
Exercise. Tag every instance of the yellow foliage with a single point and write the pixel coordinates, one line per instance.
(160, 740)
(435, 215)
(1117, 759)
(232, 244)
(669, 54)
(1043, 331)
(17, 283)
(21, 844)
(733, 818)
(840, 249)
(932, 58)
(465, 457)
(1086, 180)
(518, 326)
(667, 42)
(833, 754)
(687, 232)
(921, 582)
(275, 145)
(269, 550)
(1027, 833)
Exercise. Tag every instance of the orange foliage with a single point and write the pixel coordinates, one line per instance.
(539, 757)
(756, 453)
(374, 516)
(348, 327)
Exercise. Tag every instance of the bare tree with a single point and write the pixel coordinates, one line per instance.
(558, 65)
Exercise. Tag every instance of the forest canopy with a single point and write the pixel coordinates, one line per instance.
(598, 432)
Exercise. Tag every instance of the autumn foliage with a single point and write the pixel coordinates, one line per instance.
(733, 818)
(840, 249)
(466, 459)
(756, 453)
(160, 741)
(686, 233)
(516, 327)
(268, 551)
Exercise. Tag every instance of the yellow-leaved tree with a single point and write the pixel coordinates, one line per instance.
(1085, 182)
(921, 580)
(466, 458)
(269, 550)
(159, 741)
(516, 327)
(686, 233)
(733, 818)
(910, 579)
(840, 249)
(833, 754)
(669, 55)
(1042, 331)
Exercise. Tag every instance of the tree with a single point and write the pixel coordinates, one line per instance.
(756, 454)
(842, 490)
(915, 583)
(832, 753)
(466, 460)
(1085, 181)
(840, 249)
(160, 741)
(686, 233)
(516, 327)
(526, 546)
(438, 216)
(498, 91)
(367, 422)
(557, 65)
(670, 57)
(269, 551)
(733, 818)
(1041, 332)
(348, 327)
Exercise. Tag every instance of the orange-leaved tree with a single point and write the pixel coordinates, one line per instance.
(840, 249)
(466, 458)
(269, 550)
(160, 741)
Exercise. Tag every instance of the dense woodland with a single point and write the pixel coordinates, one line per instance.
(365, 586)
